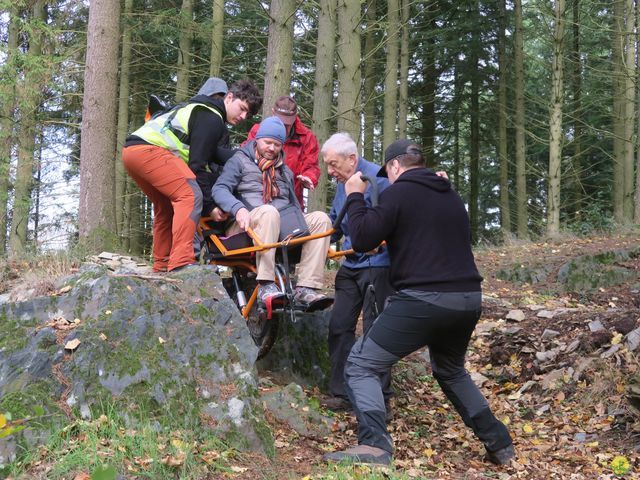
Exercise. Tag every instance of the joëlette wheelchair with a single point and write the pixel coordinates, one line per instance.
(237, 253)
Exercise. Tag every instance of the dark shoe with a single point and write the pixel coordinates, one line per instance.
(360, 454)
(310, 299)
(502, 456)
(268, 291)
(337, 404)
(388, 411)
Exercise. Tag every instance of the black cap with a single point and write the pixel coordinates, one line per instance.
(397, 148)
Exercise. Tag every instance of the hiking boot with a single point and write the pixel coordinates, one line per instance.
(502, 456)
(268, 292)
(311, 299)
(388, 411)
(337, 404)
(360, 454)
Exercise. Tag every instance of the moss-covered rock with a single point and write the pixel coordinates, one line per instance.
(173, 347)
(590, 272)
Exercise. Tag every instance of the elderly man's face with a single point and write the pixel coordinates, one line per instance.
(268, 148)
(341, 167)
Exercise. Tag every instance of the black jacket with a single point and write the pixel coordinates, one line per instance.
(208, 145)
(426, 227)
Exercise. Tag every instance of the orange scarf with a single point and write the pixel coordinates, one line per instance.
(269, 185)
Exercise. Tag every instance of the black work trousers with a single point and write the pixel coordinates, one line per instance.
(352, 295)
(407, 324)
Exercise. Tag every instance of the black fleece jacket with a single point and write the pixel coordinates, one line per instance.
(208, 145)
(426, 227)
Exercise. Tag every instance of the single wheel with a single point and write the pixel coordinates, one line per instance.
(263, 330)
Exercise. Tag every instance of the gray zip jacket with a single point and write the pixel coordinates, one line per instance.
(240, 184)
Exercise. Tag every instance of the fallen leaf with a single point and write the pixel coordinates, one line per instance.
(238, 469)
(72, 344)
(102, 336)
(161, 340)
(65, 289)
(82, 476)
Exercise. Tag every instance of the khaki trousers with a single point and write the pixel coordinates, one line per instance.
(265, 222)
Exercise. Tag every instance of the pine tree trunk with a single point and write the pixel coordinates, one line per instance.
(184, 51)
(429, 82)
(97, 148)
(277, 80)
(505, 207)
(123, 120)
(403, 108)
(370, 70)
(217, 36)
(555, 122)
(474, 160)
(348, 65)
(457, 95)
(618, 114)
(576, 162)
(391, 74)
(7, 118)
(520, 153)
(29, 104)
(323, 93)
(636, 214)
(630, 108)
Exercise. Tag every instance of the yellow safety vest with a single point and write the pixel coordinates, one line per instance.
(171, 129)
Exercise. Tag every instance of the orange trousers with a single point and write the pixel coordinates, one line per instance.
(177, 202)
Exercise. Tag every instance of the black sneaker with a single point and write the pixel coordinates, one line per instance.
(360, 454)
(337, 404)
(310, 299)
(502, 456)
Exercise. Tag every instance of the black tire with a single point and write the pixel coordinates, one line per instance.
(264, 331)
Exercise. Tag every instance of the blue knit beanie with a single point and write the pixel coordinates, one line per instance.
(272, 127)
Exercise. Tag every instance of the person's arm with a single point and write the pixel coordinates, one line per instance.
(309, 170)
(205, 130)
(368, 226)
(226, 185)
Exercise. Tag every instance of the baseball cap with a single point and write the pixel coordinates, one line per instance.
(286, 109)
(397, 148)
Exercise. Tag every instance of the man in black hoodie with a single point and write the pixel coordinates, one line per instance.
(437, 301)
(172, 158)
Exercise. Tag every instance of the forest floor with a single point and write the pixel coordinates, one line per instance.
(568, 414)
(555, 366)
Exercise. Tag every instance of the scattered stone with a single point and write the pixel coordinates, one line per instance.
(535, 308)
(515, 315)
(547, 356)
(542, 409)
(551, 380)
(633, 340)
(545, 314)
(582, 437)
(478, 378)
(609, 353)
(527, 385)
(549, 334)
(596, 326)
(512, 330)
(485, 328)
(573, 346)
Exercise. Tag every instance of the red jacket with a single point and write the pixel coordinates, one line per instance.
(301, 154)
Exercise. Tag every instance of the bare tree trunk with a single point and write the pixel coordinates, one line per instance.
(123, 120)
(429, 81)
(217, 37)
(97, 148)
(7, 118)
(323, 93)
(636, 215)
(391, 74)
(349, 74)
(520, 153)
(277, 80)
(184, 51)
(134, 198)
(474, 160)
(576, 163)
(505, 207)
(630, 108)
(457, 95)
(30, 95)
(555, 122)
(403, 109)
(617, 70)
(370, 71)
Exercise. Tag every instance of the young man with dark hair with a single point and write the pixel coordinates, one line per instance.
(171, 157)
(437, 301)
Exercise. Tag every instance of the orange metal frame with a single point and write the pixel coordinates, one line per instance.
(259, 246)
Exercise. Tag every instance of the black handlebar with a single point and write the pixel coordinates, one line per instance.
(374, 200)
